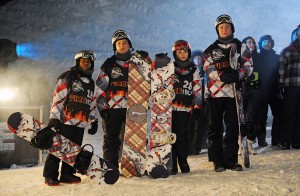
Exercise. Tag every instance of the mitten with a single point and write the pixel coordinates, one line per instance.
(94, 128)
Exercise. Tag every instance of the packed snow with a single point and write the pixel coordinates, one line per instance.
(56, 30)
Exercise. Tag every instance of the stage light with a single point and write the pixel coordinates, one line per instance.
(7, 94)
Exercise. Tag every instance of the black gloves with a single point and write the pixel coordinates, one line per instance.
(229, 76)
(94, 128)
(55, 123)
(105, 115)
(281, 92)
(143, 54)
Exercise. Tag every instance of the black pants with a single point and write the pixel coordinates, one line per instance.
(290, 132)
(198, 127)
(180, 149)
(52, 165)
(112, 131)
(262, 115)
(223, 151)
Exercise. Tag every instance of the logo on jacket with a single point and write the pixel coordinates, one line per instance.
(77, 86)
(116, 72)
(217, 54)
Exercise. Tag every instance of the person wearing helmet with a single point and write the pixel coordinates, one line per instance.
(112, 104)
(289, 82)
(227, 61)
(73, 108)
(187, 88)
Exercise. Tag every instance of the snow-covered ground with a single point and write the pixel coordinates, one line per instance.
(56, 30)
(272, 173)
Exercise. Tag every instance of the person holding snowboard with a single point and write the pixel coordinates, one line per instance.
(73, 108)
(112, 104)
(187, 88)
(227, 61)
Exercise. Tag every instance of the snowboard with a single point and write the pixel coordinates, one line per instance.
(159, 161)
(239, 91)
(102, 172)
(133, 160)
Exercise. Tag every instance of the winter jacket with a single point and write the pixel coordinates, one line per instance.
(187, 87)
(289, 67)
(219, 58)
(268, 71)
(113, 81)
(74, 99)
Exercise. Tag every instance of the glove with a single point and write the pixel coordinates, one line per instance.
(94, 128)
(43, 139)
(229, 76)
(105, 115)
(55, 123)
(281, 92)
(143, 54)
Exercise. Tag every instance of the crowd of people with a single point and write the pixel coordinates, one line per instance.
(207, 106)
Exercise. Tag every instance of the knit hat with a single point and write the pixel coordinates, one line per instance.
(181, 45)
(295, 33)
(263, 38)
(224, 19)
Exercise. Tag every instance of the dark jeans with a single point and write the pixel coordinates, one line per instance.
(112, 132)
(180, 149)
(262, 115)
(223, 151)
(290, 132)
(52, 165)
(198, 127)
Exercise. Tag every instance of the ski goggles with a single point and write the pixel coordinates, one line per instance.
(120, 34)
(224, 19)
(181, 45)
(86, 54)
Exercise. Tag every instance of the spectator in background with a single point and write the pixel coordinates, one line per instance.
(289, 81)
(268, 70)
(199, 123)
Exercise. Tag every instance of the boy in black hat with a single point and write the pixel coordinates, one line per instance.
(226, 62)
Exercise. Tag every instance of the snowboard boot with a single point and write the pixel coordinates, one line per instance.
(51, 181)
(284, 146)
(184, 166)
(250, 147)
(218, 168)
(236, 167)
(70, 179)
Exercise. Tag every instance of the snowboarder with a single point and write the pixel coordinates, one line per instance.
(74, 104)
(227, 61)
(187, 88)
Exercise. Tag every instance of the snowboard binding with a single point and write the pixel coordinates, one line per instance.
(43, 139)
(83, 160)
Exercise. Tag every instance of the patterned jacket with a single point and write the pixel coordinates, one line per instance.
(75, 103)
(220, 56)
(188, 89)
(113, 81)
(289, 65)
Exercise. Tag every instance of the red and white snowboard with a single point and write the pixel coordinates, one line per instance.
(159, 162)
(25, 126)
